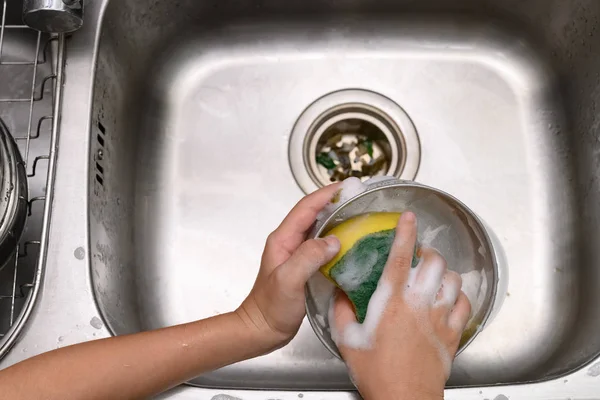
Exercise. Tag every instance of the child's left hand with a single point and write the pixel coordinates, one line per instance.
(275, 306)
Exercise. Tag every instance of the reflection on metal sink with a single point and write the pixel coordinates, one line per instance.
(193, 107)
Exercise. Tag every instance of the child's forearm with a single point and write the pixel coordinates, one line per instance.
(142, 365)
(134, 366)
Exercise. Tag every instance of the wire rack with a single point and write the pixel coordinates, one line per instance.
(30, 67)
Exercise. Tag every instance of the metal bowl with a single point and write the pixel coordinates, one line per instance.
(444, 223)
(13, 195)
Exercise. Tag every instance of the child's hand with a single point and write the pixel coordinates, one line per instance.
(275, 306)
(413, 326)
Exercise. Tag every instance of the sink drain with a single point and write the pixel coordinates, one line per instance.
(352, 133)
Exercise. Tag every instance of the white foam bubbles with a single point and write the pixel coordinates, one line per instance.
(349, 188)
(361, 336)
(354, 274)
(450, 290)
(424, 282)
(474, 286)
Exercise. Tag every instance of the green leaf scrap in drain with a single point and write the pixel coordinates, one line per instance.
(325, 161)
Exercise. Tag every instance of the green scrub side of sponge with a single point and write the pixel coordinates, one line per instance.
(359, 270)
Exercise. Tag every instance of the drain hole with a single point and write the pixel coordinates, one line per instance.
(102, 128)
(100, 180)
(353, 140)
(352, 133)
(352, 147)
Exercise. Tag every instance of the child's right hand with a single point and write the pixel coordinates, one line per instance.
(415, 325)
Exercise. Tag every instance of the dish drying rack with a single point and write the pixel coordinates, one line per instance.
(29, 106)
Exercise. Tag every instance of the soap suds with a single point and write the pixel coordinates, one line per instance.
(424, 282)
(449, 290)
(353, 276)
(474, 286)
(349, 188)
(360, 336)
(443, 352)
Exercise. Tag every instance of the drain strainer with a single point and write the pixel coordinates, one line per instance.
(352, 133)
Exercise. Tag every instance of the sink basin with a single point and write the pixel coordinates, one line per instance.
(193, 111)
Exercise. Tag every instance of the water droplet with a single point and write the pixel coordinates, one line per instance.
(79, 253)
(96, 323)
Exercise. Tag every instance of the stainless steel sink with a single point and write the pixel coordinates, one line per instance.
(177, 159)
(190, 171)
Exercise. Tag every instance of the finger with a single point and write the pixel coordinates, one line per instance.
(305, 261)
(449, 290)
(429, 275)
(341, 314)
(292, 231)
(343, 310)
(401, 254)
(460, 314)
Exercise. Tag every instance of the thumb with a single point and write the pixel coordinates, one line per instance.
(307, 259)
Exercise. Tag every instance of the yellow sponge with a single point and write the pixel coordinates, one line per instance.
(353, 229)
